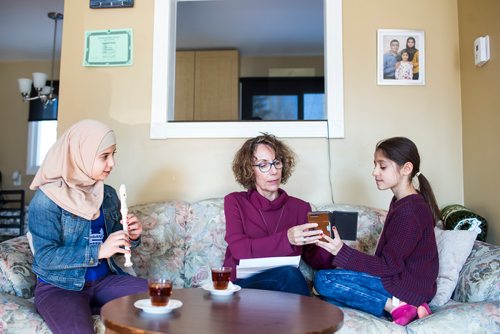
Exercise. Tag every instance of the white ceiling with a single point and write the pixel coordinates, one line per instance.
(26, 33)
(265, 27)
(255, 27)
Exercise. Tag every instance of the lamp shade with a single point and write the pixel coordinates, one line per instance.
(46, 90)
(39, 80)
(24, 85)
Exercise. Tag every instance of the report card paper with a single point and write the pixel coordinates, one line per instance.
(249, 267)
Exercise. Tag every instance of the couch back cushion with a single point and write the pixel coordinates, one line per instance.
(205, 244)
(163, 246)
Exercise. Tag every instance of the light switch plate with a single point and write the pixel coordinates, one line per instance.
(481, 50)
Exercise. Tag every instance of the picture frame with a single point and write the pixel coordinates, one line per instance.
(392, 69)
(100, 4)
(112, 47)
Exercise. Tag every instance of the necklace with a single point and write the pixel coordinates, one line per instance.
(279, 220)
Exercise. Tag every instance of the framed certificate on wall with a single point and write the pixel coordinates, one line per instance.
(108, 48)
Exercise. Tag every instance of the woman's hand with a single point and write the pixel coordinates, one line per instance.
(114, 244)
(304, 234)
(332, 246)
(134, 226)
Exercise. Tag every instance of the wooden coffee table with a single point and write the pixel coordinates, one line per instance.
(248, 311)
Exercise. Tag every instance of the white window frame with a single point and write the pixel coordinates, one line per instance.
(162, 107)
(34, 146)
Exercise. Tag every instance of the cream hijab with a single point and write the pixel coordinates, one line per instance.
(65, 174)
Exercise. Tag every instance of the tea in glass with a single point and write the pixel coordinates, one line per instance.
(160, 290)
(220, 277)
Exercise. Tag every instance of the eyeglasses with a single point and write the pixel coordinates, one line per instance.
(265, 166)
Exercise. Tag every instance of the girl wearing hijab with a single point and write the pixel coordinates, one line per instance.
(75, 222)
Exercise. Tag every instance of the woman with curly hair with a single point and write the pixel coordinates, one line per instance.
(265, 222)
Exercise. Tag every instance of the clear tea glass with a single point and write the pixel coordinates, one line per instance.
(160, 290)
(220, 277)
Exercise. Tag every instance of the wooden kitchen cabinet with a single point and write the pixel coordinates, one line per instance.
(206, 85)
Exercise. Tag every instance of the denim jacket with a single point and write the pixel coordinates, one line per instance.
(61, 240)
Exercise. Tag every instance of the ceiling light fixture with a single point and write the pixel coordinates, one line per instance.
(44, 93)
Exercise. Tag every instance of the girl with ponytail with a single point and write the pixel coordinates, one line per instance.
(400, 279)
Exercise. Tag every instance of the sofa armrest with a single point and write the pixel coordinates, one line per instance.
(479, 278)
(16, 276)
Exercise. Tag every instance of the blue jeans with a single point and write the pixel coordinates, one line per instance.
(285, 279)
(70, 311)
(353, 289)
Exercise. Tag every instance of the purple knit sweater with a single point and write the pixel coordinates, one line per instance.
(406, 258)
(257, 227)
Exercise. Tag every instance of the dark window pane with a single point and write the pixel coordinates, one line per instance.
(282, 98)
(277, 108)
(314, 107)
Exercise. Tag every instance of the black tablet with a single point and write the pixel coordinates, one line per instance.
(346, 223)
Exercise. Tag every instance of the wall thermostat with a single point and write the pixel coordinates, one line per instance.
(481, 50)
(96, 4)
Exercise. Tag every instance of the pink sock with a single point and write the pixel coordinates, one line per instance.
(404, 314)
(423, 311)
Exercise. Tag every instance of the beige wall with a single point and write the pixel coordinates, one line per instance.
(429, 115)
(155, 170)
(196, 169)
(481, 111)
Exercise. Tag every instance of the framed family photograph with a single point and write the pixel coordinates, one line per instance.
(400, 57)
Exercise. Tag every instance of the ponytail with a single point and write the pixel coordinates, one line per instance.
(425, 190)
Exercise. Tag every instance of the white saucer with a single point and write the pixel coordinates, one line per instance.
(231, 288)
(145, 305)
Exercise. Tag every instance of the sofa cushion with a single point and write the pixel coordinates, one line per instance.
(454, 246)
(356, 321)
(18, 315)
(479, 279)
(205, 244)
(162, 248)
(459, 318)
(16, 277)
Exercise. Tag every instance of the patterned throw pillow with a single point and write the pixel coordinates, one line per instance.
(458, 217)
(480, 276)
(162, 247)
(205, 244)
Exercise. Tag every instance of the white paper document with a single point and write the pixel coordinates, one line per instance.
(249, 267)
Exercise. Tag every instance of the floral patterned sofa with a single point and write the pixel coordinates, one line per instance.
(184, 239)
